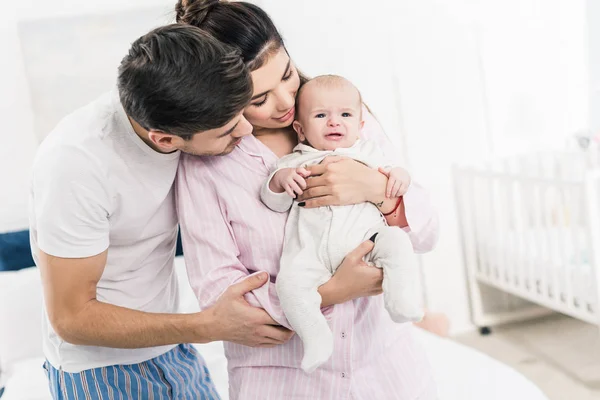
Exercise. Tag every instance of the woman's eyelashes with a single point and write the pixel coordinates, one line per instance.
(288, 76)
(284, 79)
(262, 102)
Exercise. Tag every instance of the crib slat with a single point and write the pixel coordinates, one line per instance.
(529, 238)
(566, 266)
(592, 207)
(487, 230)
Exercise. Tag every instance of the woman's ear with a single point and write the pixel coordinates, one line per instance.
(298, 128)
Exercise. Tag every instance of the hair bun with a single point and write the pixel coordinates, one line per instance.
(193, 12)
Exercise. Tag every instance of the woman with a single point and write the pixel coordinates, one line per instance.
(228, 235)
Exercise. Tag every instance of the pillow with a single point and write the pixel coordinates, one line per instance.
(21, 311)
(28, 381)
(15, 251)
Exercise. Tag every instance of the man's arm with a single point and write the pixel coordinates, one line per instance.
(79, 318)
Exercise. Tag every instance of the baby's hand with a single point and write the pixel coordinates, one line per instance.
(398, 181)
(290, 180)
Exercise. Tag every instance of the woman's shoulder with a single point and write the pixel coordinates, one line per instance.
(208, 169)
(195, 161)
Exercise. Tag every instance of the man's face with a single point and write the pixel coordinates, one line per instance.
(217, 142)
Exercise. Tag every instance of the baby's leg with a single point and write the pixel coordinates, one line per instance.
(297, 286)
(394, 253)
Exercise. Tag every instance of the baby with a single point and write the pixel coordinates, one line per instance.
(329, 120)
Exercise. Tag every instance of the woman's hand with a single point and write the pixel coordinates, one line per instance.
(353, 279)
(339, 181)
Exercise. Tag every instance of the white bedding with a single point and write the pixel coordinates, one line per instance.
(462, 373)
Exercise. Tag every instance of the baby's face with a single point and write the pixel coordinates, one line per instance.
(329, 117)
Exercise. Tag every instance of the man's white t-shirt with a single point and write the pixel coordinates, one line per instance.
(95, 186)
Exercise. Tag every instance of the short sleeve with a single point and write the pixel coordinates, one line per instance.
(70, 205)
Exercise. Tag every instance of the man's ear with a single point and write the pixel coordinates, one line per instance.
(166, 142)
(298, 128)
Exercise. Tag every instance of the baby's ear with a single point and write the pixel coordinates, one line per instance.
(298, 128)
(362, 124)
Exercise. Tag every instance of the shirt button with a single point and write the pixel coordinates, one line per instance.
(343, 335)
(343, 374)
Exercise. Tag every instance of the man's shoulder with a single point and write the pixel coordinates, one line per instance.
(77, 145)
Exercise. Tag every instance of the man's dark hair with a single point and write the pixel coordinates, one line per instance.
(179, 80)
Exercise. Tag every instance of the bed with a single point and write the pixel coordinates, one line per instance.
(21, 374)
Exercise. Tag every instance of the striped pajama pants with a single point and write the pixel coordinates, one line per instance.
(178, 374)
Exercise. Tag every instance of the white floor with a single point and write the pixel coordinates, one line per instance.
(559, 354)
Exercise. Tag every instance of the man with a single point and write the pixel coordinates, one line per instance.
(103, 225)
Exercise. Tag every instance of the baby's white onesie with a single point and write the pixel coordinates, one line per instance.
(316, 242)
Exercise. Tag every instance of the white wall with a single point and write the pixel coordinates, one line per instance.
(593, 48)
(18, 108)
(18, 144)
(450, 81)
(536, 72)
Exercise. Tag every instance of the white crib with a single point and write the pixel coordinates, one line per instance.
(530, 229)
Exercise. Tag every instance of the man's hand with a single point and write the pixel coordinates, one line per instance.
(289, 180)
(234, 320)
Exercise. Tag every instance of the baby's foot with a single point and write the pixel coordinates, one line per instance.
(400, 292)
(317, 349)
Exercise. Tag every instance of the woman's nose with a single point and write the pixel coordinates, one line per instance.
(286, 100)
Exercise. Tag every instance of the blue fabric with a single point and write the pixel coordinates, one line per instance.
(15, 251)
(1, 391)
(179, 249)
(178, 374)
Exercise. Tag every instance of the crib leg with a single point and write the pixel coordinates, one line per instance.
(485, 331)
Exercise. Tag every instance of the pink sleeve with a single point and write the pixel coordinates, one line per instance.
(210, 250)
(423, 222)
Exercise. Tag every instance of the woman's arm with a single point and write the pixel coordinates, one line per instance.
(211, 253)
(210, 250)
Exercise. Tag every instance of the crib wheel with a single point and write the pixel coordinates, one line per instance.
(484, 331)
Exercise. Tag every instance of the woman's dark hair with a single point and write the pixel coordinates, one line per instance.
(239, 24)
(180, 80)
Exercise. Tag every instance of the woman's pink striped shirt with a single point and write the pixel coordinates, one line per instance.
(228, 234)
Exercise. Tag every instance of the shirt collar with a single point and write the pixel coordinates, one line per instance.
(254, 147)
(303, 148)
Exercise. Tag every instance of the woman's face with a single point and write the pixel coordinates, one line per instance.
(275, 86)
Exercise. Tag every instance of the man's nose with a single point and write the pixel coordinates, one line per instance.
(244, 128)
